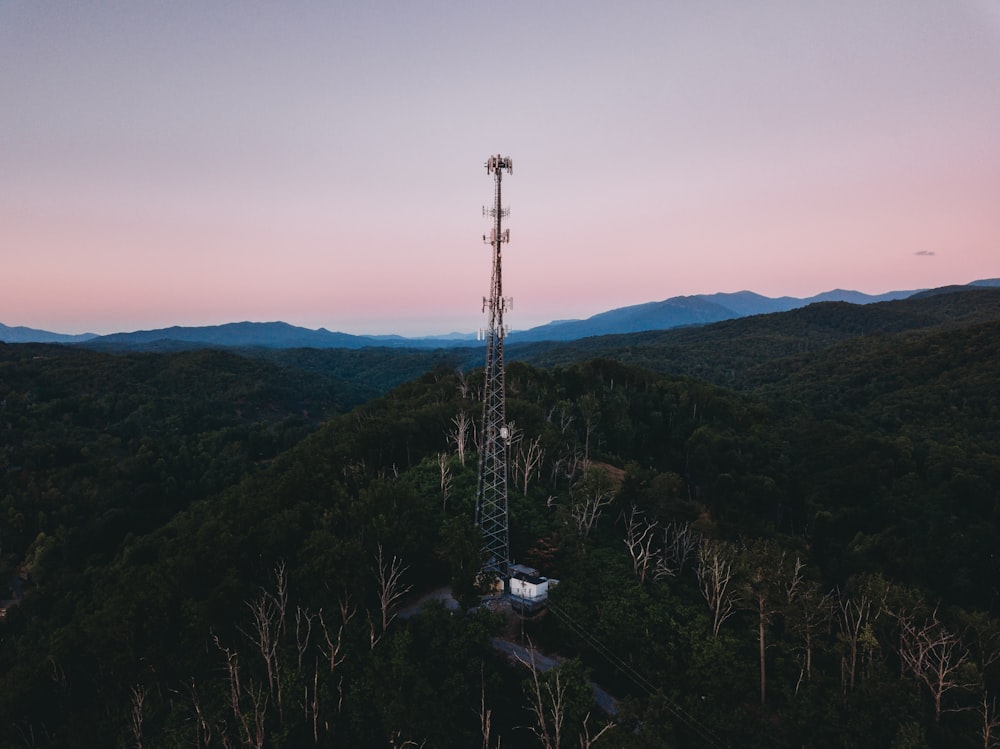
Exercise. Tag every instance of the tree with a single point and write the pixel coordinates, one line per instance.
(268, 611)
(250, 720)
(459, 436)
(460, 546)
(934, 656)
(715, 577)
(767, 583)
(389, 578)
(136, 713)
(547, 702)
(527, 459)
(855, 616)
(639, 537)
(560, 698)
(590, 409)
(445, 479)
(679, 545)
(565, 414)
(591, 494)
(485, 716)
(809, 612)
(989, 713)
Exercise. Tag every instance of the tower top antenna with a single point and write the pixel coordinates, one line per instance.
(499, 163)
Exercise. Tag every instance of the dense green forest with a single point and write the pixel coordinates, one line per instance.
(764, 535)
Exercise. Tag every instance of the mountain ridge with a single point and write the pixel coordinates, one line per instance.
(22, 334)
(678, 311)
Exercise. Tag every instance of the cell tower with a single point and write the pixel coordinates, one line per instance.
(491, 497)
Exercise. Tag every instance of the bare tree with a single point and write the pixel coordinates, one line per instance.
(715, 577)
(854, 618)
(547, 704)
(255, 738)
(934, 656)
(639, 537)
(593, 493)
(679, 545)
(463, 383)
(445, 479)
(485, 716)
(249, 721)
(576, 464)
(989, 712)
(568, 466)
(586, 740)
(310, 705)
(459, 436)
(333, 645)
(984, 634)
(513, 440)
(136, 713)
(203, 731)
(527, 460)
(477, 437)
(303, 632)
(591, 411)
(268, 612)
(565, 416)
(548, 701)
(389, 576)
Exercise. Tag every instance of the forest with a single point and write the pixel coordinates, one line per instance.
(778, 531)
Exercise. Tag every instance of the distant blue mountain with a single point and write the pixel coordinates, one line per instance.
(689, 310)
(21, 334)
(264, 334)
(670, 313)
(260, 334)
(678, 311)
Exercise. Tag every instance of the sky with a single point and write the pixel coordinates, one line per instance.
(322, 163)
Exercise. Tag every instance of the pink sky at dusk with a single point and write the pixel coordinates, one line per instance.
(192, 163)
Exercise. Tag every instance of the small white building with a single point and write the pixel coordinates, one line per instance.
(529, 591)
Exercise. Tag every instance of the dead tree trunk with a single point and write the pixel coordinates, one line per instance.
(989, 712)
(460, 434)
(389, 576)
(547, 704)
(527, 461)
(715, 575)
(136, 714)
(445, 480)
(639, 535)
(853, 617)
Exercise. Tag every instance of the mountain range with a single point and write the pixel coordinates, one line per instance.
(679, 311)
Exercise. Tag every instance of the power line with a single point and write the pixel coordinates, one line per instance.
(638, 679)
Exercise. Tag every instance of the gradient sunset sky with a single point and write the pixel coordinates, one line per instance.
(194, 163)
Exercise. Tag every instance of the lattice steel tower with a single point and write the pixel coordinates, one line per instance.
(491, 496)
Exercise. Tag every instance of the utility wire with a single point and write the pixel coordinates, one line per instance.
(638, 679)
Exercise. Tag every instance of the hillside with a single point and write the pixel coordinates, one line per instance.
(749, 351)
(847, 495)
(96, 447)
